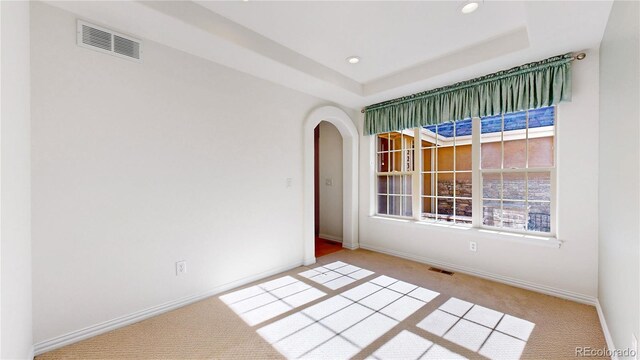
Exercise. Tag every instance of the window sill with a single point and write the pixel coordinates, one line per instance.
(548, 241)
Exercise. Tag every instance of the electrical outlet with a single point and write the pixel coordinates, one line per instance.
(328, 182)
(473, 246)
(181, 268)
(289, 182)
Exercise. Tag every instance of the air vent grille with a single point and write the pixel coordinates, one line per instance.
(107, 41)
(441, 271)
(126, 47)
(94, 37)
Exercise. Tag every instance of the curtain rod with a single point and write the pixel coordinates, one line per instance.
(579, 56)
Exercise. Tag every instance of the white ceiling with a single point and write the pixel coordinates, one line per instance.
(405, 46)
(388, 36)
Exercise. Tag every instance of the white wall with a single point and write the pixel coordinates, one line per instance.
(570, 271)
(15, 194)
(330, 169)
(136, 166)
(619, 191)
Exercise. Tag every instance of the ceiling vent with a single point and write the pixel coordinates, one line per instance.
(107, 41)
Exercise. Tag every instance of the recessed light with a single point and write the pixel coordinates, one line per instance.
(353, 59)
(470, 7)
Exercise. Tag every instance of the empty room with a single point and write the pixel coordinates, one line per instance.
(320, 179)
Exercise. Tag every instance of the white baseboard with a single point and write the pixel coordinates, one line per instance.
(309, 261)
(330, 237)
(97, 329)
(350, 247)
(605, 330)
(569, 295)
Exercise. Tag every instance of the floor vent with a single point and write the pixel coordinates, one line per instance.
(108, 41)
(446, 272)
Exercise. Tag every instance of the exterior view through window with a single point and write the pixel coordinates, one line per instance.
(428, 173)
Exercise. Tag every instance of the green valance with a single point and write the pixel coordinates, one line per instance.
(530, 86)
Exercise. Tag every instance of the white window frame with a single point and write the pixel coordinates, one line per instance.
(476, 175)
(400, 173)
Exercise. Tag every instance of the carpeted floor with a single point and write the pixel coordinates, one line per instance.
(209, 329)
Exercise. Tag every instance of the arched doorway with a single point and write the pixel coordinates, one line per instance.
(349, 134)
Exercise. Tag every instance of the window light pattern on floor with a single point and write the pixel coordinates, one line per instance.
(336, 274)
(343, 325)
(265, 301)
(409, 346)
(480, 329)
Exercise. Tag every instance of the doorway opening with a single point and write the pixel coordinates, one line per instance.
(327, 189)
(349, 182)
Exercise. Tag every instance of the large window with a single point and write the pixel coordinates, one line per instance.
(510, 158)
(517, 164)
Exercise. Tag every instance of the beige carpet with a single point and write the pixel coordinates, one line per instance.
(210, 330)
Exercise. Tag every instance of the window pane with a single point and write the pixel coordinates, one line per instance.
(445, 184)
(463, 209)
(382, 184)
(428, 143)
(464, 127)
(396, 161)
(539, 217)
(491, 186)
(428, 207)
(541, 152)
(427, 184)
(394, 205)
(491, 155)
(515, 154)
(514, 185)
(427, 160)
(396, 142)
(445, 158)
(407, 206)
(383, 142)
(514, 215)
(445, 130)
(445, 209)
(541, 117)
(515, 121)
(407, 160)
(382, 204)
(383, 162)
(407, 186)
(463, 157)
(463, 184)
(539, 186)
(395, 185)
(408, 139)
(491, 213)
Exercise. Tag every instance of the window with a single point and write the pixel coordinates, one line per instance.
(517, 164)
(514, 172)
(394, 173)
(446, 172)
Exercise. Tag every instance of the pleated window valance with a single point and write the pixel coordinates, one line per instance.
(530, 86)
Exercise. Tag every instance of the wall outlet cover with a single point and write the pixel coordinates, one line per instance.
(473, 246)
